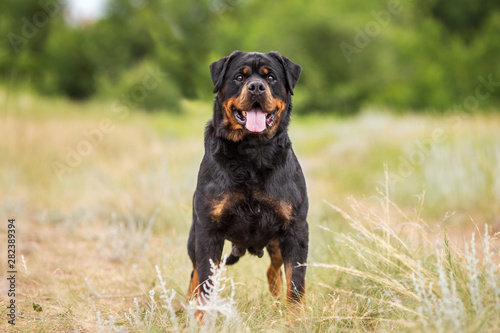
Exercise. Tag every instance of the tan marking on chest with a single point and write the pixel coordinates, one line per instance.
(221, 205)
(282, 208)
(218, 207)
(285, 210)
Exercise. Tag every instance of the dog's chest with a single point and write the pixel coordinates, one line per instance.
(251, 207)
(254, 221)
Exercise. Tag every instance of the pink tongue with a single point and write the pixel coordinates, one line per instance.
(256, 120)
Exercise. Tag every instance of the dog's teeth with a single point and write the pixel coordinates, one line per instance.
(244, 113)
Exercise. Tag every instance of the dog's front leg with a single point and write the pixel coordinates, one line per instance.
(294, 247)
(209, 246)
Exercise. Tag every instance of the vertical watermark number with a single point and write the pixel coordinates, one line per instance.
(11, 271)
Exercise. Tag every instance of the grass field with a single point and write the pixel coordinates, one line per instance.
(101, 197)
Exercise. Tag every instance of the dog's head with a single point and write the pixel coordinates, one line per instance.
(254, 93)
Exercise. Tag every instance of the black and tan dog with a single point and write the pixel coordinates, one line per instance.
(251, 190)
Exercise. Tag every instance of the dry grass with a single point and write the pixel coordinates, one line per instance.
(92, 238)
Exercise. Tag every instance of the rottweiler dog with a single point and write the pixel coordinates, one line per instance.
(251, 189)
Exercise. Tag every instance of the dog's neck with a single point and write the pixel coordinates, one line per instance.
(253, 154)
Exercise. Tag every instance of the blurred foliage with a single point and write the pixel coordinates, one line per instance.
(397, 54)
(463, 17)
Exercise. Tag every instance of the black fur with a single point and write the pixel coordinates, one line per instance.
(253, 183)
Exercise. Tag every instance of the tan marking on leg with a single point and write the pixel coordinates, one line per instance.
(296, 309)
(274, 277)
(193, 285)
(200, 314)
(288, 274)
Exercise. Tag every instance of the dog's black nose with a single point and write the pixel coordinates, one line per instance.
(256, 87)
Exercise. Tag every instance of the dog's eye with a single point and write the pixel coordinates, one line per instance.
(270, 78)
(239, 78)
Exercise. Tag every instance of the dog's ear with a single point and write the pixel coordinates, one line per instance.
(292, 70)
(218, 70)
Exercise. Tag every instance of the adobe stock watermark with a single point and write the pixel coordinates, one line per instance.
(409, 163)
(32, 25)
(372, 29)
(120, 109)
